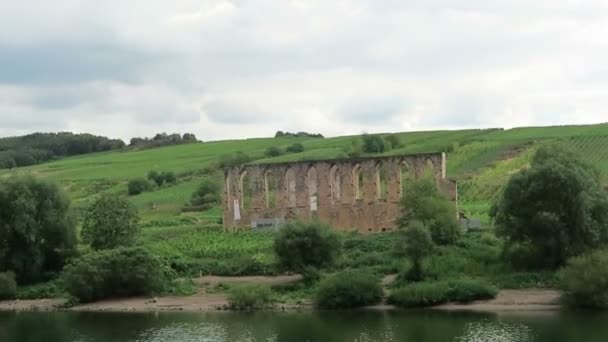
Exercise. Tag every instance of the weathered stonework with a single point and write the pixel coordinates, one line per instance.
(361, 193)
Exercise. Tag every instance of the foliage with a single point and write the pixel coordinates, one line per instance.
(434, 293)
(117, 272)
(49, 289)
(273, 151)
(423, 202)
(110, 222)
(584, 280)
(295, 148)
(37, 234)
(207, 194)
(249, 297)
(138, 185)
(37, 148)
(281, 134)
(555, 209)
(415, 243)
(233, 159)
(349, 289)
(372, 143)
(161, 178)
(163, 139)
(8, 285)
(299, 245)
(393, 140)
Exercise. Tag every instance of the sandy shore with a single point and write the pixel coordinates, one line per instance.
(206, 299)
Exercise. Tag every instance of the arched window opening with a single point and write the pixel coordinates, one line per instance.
(429, 169)
(312, 184)
(335, 182)
(405, 177)
(290, 181)
(381, 182)
(270, 189)
(227, 191)
(246, 191)
(357, 183)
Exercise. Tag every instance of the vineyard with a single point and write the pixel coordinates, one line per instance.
(481, 161)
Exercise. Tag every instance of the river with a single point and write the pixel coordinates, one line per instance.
(352, 326)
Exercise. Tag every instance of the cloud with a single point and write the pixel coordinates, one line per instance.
(233, 68)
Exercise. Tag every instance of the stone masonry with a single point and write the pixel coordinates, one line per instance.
(357, 193)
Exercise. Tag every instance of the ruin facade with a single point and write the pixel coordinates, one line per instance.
(360, 193)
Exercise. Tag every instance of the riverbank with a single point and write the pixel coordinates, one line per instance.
(209, 298)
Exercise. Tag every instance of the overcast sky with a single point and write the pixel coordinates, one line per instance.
(246, 68)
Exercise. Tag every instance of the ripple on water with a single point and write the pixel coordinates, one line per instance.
(493, 331)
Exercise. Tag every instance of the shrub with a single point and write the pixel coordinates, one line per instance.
(273, 151)
(37, 233)
(393, 140)
(207, 193)
(235, 159)
(156, 177)
(423, 202)
(555, 209)
(110, 222)
(249, 297)
(435, 293)
(169, 177)
(8, 285)
(118, 272)
(138, 185)
(415, 242)
(584, 280)
(295, 148)
(348, 289)
(300, 245)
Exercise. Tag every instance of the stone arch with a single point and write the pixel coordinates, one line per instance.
(270, 189)
(381, 181)
(335, 184)
(429, 168)
(245, 190)
(227, 192)
(290, 185)
(405, 176)
(357, 180)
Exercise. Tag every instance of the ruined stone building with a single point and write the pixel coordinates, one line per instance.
(361, 193)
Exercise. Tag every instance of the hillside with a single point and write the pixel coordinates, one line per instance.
(480, 160)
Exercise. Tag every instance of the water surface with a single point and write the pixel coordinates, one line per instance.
(357, 326)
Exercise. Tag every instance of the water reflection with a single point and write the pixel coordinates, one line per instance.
(358, 326)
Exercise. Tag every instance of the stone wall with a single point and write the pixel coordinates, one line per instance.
(361, 193)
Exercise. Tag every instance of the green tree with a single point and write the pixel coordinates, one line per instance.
(584, 280)
(374, 144)
(299, 246)
(295, 148)
(552, 211)
(423, 202)
(393, 140)
(206, 194)
(416, 244)
(110, 222)
(273, 151)
(169, 177)
(138, 185)
(156, 177)
(37, 233)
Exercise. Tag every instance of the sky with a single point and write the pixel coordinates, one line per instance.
(247, 68)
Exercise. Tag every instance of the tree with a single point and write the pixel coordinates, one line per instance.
(416, 244)
(37, 232)
(273, 151)
(169, 177)
(423, 202)
(138, 185)
(393, 140)
(207, 194)
(110, 222)
(552, 211)
(156, 177)
(374, 144)
(295, 148)
(584, 280)
(299, 246)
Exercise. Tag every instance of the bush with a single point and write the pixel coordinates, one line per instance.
(273, 151)
(249, 297)
(169, 177)
(295, 148)
(207, 193)
(300, 245)
(555, 209)
(429, 294)
(350, 289)
(110, 222)
(393, 140)
(8, 286)
(584, 280)
(423, 202)
(161, 178)
(120, 272)
(235, 159)
(37, 233)
(415, 243)
(138, 185)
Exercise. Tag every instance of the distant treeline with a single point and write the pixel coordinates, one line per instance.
(163, 139)
(298, 135)
(37, 148)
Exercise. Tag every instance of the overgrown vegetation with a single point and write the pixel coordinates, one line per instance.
(117, 272)
(273, 151)
(139, 185)
(349, 289)
(295, 148)
(8, 285)
(249, 297)
(281, 134)
(206, 195)
(110, 222)
(584, 280)
(434, 293)
(416, 243)
(163, 177)
(163, 139)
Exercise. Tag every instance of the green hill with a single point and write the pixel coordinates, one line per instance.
(480, 160)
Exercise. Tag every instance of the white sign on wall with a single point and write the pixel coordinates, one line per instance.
(313, 203)
(237, 210)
